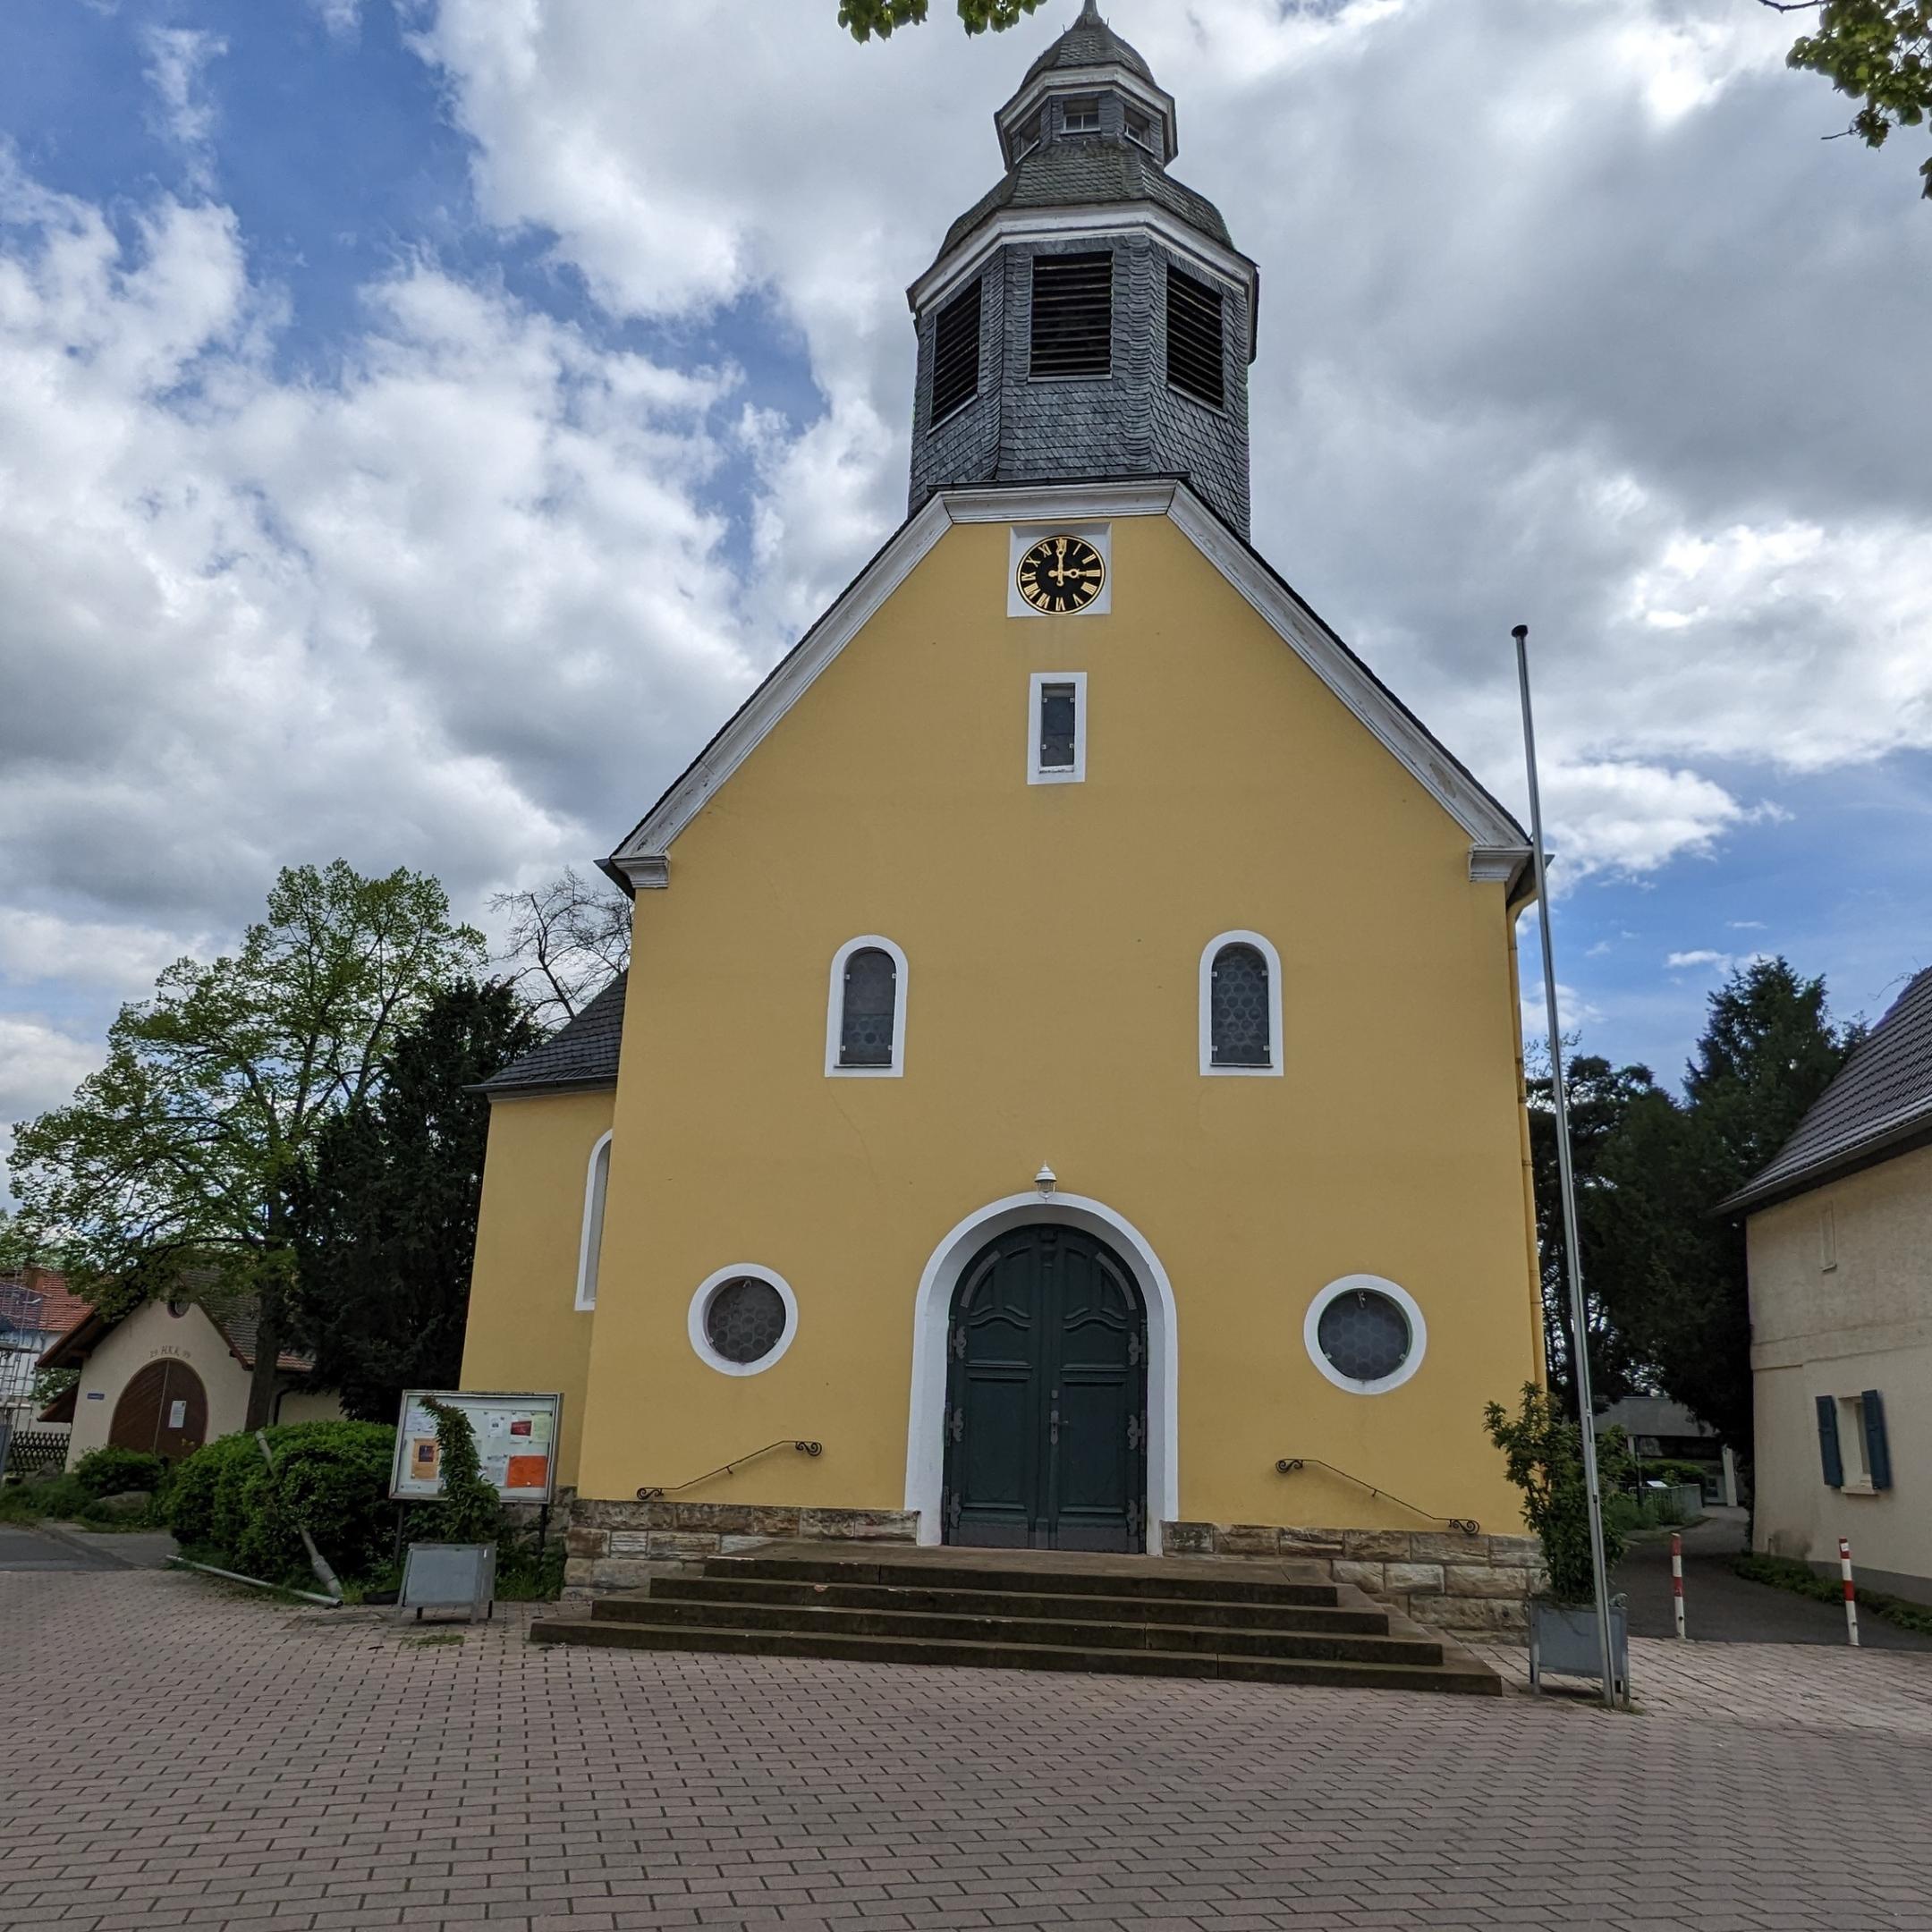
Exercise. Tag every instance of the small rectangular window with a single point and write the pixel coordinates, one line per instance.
(1827, 1239)
(1057, 727)
(955, 375)
(1080, 116)
(1140, 129)
(1194, 337)
(1073, 315)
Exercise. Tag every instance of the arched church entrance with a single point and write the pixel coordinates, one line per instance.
(163, 1411)
(1046, 1414)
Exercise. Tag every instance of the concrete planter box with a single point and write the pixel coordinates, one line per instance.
(1563, 1638)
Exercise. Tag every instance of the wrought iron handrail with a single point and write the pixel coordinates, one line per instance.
(1467, 1525)
(657, 1494)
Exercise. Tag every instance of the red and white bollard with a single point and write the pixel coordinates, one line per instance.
(1676, 1582)
(1850, 1591)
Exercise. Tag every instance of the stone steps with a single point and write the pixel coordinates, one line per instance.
(1329, 1616)
(1030, 1611)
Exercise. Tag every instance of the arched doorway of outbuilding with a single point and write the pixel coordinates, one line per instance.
(1007, 1252)
(163, 1411)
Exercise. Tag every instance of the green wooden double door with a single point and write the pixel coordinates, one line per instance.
(1047, 1397)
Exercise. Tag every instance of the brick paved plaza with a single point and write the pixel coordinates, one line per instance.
(180, 1756)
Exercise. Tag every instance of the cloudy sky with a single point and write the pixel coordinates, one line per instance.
(422, 421)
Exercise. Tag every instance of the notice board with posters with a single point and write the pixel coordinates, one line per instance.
(516, 1440)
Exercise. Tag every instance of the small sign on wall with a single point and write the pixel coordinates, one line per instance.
(177, 1415)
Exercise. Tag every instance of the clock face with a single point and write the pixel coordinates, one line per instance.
(1061, 573)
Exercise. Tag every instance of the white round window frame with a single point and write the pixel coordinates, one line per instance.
(1375, 1284)
(701, 1307)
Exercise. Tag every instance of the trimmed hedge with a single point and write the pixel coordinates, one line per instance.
(110, 1471)
(330, 1477)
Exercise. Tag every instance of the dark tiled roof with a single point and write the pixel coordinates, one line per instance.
(239, 1326)
(584, 1054)
(1089, 42)
(1881, 1099)
(1082, 172)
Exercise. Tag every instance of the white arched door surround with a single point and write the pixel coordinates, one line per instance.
(932, 1315)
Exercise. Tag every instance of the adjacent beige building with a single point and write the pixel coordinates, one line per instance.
(169, 1377)
(1839, 1234)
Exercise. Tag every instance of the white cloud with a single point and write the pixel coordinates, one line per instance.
(178, 59)
(124, 958)
(454, 610)
(1702, 956)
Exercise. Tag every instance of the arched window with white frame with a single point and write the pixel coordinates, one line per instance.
(1241, 1006)
(865, 1009)
(590, 1243)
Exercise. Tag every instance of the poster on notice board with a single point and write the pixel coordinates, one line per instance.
(516, 1440)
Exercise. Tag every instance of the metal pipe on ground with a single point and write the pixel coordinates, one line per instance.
(256, 1582)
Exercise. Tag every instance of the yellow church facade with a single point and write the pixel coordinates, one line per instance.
(1069, 1071)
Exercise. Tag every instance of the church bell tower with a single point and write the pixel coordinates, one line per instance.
(1090, 317)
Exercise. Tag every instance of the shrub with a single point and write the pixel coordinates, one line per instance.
(108, 1471)
(1545, 1452)
(62, 1498)
(470, 1510)
(332, 1478)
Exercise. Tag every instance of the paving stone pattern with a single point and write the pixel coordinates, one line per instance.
(181, 1756)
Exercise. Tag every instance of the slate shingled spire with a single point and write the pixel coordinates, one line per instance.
(1090, 317)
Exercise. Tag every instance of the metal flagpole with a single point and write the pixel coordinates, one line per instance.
(1579, 1324)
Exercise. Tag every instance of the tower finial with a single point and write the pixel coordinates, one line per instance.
(1090, 15)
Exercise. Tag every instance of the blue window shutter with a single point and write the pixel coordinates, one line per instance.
(1877, 1450)
(1827, 1415)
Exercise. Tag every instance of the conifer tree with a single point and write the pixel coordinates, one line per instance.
(385, 1217)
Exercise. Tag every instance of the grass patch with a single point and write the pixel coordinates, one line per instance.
(1787, 1574)
(64, 1499)
(435, 1637)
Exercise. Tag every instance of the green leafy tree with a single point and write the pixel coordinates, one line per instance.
(1544, 1449)
(864, 18)
(1600, 1097)
(1879, 52)
(385, 1214)
(1677, 1287)
(183, 1153)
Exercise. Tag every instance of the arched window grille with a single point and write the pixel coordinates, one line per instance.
(1238, 1005)
(1241, 1006)
(868, 1009)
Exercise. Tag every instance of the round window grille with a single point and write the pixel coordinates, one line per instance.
(744, 1319)
(1364, 1335)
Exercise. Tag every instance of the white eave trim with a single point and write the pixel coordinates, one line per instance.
(1109, 218)
(1493, 836)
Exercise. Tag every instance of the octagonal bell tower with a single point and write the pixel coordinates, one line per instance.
(1090, 318)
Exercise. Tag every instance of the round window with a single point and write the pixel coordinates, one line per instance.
(1365, 1333)
(742, 1319)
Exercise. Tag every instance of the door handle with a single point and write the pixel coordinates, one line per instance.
(1053, 1425)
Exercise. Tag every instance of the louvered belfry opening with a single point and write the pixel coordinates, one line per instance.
(955, 377)
(1195, 363)
(1072, 314)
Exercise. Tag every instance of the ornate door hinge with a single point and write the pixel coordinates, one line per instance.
(1134, 1523)
(1136, 1349)
(956, 1423)
(958, 1343)
(952, 1510)
(1136, 1431)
